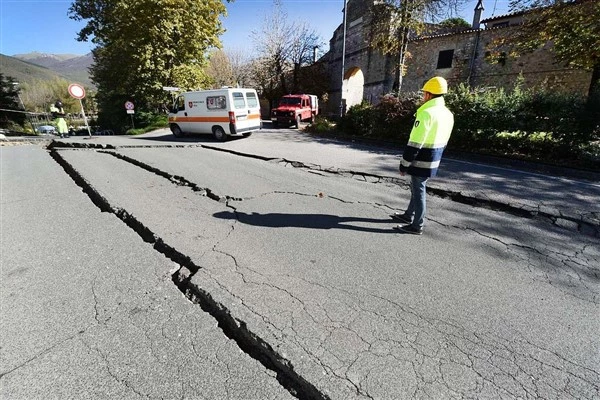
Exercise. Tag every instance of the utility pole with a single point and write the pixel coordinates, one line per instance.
(343, 61)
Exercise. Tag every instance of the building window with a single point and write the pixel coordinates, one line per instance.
(445, 59)
(500, 25)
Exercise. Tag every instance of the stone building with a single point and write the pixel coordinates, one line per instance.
(460, 57)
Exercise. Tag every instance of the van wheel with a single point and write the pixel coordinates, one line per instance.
(298, 120)
(246, 134)
(176, 131)
(275, 124)
(219, 134)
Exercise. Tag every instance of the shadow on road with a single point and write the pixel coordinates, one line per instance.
(308, 221)
(188, 138)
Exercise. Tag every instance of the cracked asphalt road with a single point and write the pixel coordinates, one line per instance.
(299, 267)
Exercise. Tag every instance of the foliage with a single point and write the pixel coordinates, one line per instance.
(9, 100)
(455, 23)
(38, 95)
(147, 122)
(391, 118)
(570, 25)
(321, 125)
(395, 115)
(219, 69)
(143, 45)
(528, 124)
(285, 48)
(359, 120)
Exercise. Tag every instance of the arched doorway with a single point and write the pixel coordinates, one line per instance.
(353, 87)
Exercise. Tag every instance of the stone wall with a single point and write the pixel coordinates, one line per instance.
(470, 65)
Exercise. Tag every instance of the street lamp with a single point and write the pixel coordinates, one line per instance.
(343, 61)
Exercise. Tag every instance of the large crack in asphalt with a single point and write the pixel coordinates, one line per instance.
(590, 295)
(563, 221)
(249, 342)
(262, 351)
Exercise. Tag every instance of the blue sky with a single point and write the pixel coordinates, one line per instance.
(43, 25)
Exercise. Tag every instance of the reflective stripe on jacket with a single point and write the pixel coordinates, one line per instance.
(428, 139)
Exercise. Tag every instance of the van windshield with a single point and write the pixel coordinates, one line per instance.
(292, 101)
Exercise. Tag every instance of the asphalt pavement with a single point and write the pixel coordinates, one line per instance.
(269, 265)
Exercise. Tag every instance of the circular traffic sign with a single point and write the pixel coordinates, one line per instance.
(76, 91)
(129, 105)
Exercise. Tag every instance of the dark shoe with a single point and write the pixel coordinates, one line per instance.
(401, 218)
(409, 229)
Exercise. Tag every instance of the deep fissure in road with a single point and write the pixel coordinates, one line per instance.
(233, 328)
(562, 221)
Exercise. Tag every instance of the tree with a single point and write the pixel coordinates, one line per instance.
(458, 23)
(395, 21)
(219, 69)
(9, 100)
(571, 25)
(239, 61)
(284, 49)
(143, 45)
(38, 95)
(272, 43)
(228, 68)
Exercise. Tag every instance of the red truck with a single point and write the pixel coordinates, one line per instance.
(295, 108)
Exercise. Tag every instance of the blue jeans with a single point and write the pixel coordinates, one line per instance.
(417, 206)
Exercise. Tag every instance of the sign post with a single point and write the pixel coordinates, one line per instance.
(78, 92)
(130, 110)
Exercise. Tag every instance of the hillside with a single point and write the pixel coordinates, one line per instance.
(44, 59)
(35, 66)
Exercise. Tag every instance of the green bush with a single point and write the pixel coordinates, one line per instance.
(391, 118)
(394, 116)
(358, 120)
(531, 124)
(146, 122)
(321, 125)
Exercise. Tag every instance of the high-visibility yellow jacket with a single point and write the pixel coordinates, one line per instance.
(428, 139)
(58, 114)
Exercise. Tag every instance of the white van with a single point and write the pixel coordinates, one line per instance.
(222, 112)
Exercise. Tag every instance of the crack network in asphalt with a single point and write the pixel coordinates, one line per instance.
(232, 327)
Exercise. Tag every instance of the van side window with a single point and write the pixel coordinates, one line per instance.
(216, 102)
(238, 100)
(180, 106)
(252, 100)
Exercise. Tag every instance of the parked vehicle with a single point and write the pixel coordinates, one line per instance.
(47, 129)
(295, 108)
(222, 112)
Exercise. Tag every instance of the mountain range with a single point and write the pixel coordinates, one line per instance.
(35, 66)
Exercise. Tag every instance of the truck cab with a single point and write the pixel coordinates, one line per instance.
(295, 108)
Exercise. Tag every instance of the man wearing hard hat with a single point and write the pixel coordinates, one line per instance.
(422, 155)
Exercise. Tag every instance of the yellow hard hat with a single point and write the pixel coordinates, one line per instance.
(436, 85)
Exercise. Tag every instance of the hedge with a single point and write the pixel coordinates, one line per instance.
(538, 125)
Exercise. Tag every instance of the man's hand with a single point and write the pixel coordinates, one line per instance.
(402, 173)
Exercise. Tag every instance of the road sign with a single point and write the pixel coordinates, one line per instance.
(129, 105)
(76, 91)
(130, 112)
